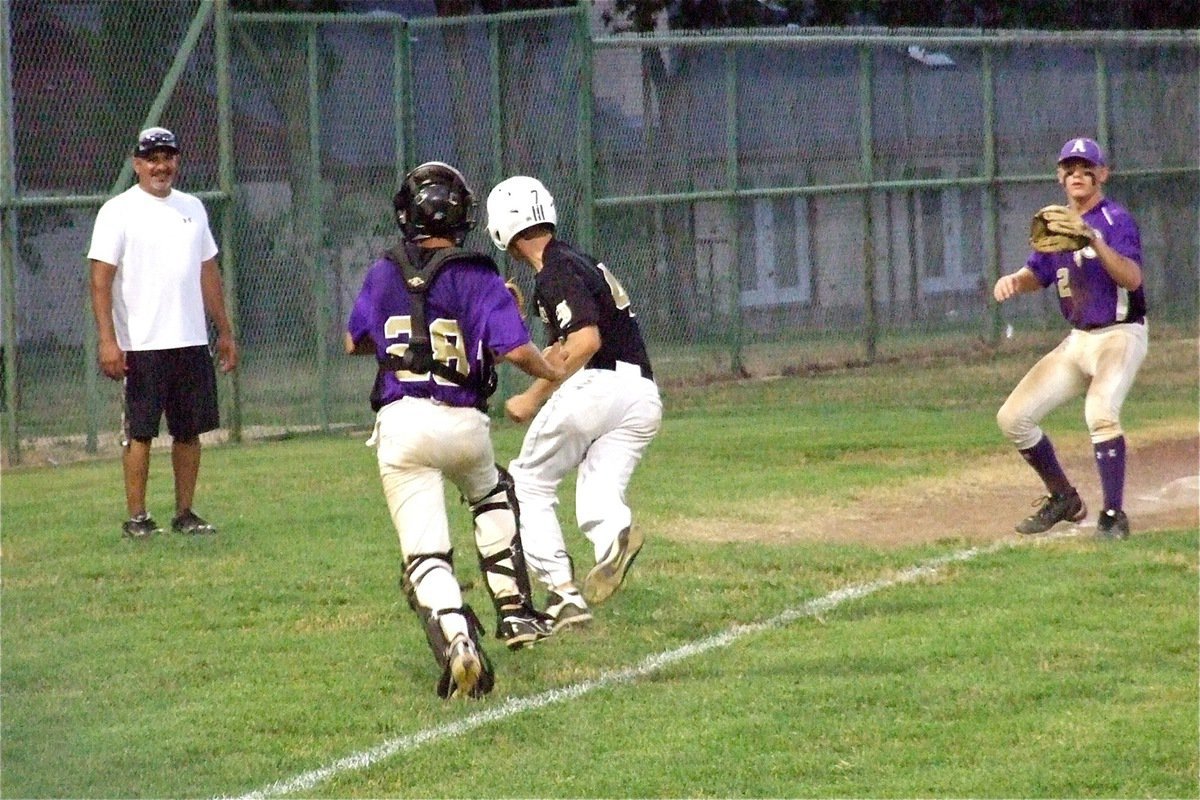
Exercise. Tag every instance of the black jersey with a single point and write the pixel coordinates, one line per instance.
(573, 291)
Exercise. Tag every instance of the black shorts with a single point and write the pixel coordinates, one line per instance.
(180, 383)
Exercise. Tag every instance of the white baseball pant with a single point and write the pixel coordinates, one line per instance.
(419, 443)
(1103, 362)
(600, 421)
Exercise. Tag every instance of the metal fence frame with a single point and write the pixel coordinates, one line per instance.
(226, 24)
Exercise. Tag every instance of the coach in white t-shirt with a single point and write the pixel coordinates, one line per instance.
(154, 276)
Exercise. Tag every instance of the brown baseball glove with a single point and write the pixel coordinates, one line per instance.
(517, 294)
(1058, 229)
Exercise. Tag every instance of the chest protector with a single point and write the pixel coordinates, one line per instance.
(418, 358)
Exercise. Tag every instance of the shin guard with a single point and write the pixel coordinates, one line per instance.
(498, 539)
(442, 631)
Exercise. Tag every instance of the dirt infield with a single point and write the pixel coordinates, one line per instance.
(977, 505)
(983, 504)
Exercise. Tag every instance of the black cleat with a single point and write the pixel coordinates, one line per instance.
(1055, 508)
(467, 673)
(142, 526)
(521, 626)
(1112, 524)
(191, 524)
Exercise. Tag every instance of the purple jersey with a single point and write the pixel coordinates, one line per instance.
(1087, 294)
(467, 309)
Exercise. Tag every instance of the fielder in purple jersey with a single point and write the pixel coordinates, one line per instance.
(431, 425)
(1100, 293)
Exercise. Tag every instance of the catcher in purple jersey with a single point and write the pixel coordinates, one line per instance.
(600, 419)
(431, 425)
(1100, 293)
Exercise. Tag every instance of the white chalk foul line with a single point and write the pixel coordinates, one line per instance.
(649, 665)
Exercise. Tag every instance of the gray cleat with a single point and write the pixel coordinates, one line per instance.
(608, 574)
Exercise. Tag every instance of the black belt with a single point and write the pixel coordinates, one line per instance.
(646, 373)
(1138, 321)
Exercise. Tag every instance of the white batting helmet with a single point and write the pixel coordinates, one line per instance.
(515, 204)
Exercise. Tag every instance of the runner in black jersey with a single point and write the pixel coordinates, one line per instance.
(600, 419)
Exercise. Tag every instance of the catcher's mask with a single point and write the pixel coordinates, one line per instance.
(435, 200)
(516, 204)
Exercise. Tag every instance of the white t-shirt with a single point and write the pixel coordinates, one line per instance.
(157, 245)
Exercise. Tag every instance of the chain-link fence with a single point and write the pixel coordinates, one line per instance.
(771, 201)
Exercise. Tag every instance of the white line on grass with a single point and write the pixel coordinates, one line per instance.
(649, 665)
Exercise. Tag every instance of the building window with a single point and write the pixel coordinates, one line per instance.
(777, 268)
(942, 219)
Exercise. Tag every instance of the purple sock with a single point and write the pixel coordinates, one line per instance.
(1110, 461)
(1043, 460)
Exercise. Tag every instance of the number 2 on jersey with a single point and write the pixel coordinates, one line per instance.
(619, 295)
(1064, 282)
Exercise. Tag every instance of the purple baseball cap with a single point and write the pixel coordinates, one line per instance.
(1087, 149)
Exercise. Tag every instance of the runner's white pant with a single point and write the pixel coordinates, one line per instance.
(600, 421)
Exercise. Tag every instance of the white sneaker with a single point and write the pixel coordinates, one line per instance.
(567, 609)
(608, 574)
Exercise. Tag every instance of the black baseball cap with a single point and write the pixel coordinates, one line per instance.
(153, 139)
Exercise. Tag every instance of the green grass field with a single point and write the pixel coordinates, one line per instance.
(279, 657)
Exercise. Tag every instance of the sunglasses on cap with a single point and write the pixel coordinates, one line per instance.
(155, 140)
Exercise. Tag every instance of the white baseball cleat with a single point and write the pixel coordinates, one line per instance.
(567, 609)
(608, 574)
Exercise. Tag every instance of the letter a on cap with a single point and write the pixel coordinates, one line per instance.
(1079, 147)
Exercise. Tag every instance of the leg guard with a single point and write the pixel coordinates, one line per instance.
(502, 560)
(498, 538)
(428, 616)
(451, 630)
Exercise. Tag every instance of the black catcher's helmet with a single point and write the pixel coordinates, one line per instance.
(435, 200)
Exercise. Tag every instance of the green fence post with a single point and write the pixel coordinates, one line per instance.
(11, 430)
(314, 231)
(1101, 97)
(226, 182)
(585, 225)
(991, 222)
(91, 358)
(495, 116)
(866, 145)
(8, 238)
(506, 385)
(732, 181)
(401, 98)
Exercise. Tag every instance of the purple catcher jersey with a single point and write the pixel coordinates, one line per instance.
(1087, 295)
(467, 309)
